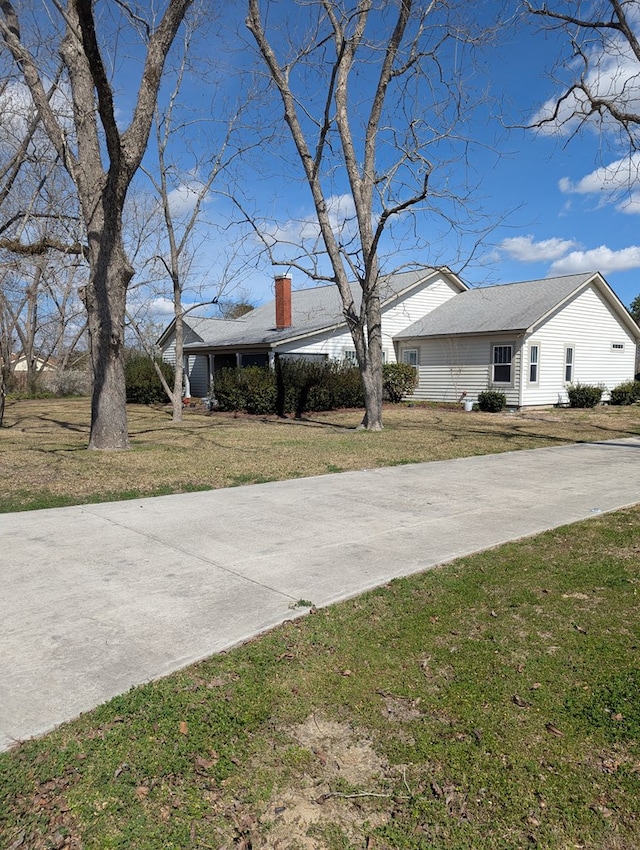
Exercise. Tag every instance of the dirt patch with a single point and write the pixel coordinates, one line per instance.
(302, 817)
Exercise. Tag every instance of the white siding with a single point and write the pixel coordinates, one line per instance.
(169, 351)
(199, 375)
(587, 324)
(451, 366)
(197, 367)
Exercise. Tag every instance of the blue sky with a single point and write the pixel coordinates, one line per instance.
(558, 205)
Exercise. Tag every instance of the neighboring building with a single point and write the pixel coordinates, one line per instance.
(305, 322)
(19, 363)
(529, 339)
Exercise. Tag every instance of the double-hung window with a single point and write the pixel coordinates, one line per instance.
(569, 363)
(502, 355)
(534, 362)
(410, 357)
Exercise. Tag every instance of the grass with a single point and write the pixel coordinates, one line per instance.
(44, 463)
(491, 703)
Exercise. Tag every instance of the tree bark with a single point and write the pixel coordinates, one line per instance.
(101, 188)
(105, 301)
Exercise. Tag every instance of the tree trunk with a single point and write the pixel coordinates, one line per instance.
(176, 398)
(2, 395)
(372, 372)
(105, 300)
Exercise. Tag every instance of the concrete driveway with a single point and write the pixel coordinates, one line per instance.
(98, 598)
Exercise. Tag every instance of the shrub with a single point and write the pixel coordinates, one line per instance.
(227, 390)
(142, 381)
(626, 393)
(491, 401)
(68, 382)
(344, 386)
(296, 386)
(398, 380)
(584, 395)
(301, 385)
(259, 388)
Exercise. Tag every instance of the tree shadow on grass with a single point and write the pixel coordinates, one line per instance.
(309, 422)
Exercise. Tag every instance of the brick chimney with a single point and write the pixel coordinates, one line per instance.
(283, 302)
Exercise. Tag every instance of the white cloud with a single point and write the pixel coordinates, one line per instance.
(602, 259)
(610, 183)
(17, 110)
(161, 306)
(342, 216)
(183, 199)
(526, 250)
(616, 176)
(612, 76)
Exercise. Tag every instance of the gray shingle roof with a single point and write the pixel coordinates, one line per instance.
(506, 307)
(312, 310)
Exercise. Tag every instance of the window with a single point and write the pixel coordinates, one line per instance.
(568, 364)
(502, 364)
(410, 357)
(349, 355)
(617, 346)
(534, 362)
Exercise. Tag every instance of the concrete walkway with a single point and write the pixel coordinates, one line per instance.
(98, 598)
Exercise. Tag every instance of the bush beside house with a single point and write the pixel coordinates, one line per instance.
(294, 386)
(398, 381)
(626, 393)
(142, 381)
(491, 401)
(584, 395)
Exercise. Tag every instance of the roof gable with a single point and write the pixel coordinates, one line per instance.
(508, 307)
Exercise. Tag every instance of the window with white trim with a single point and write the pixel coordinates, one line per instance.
(351, 358)
(502, 355)
(569, 363)
(410, 357)
(534, 362)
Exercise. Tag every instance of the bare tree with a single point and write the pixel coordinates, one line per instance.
(600, 78)
(101, 187)
(182, 197)
(371, 109)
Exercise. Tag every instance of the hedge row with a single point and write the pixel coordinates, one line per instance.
(300, 386)
(295, 386)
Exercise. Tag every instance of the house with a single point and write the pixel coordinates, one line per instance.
(530, 339)
(303, 323)
(19, 363)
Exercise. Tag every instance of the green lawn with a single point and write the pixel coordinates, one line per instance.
(490, 703)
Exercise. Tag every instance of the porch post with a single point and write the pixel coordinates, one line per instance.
(185, 372)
